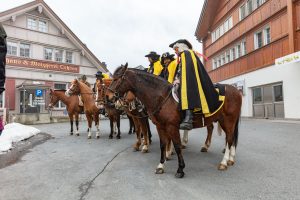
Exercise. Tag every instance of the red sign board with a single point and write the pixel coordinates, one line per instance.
(39, 64)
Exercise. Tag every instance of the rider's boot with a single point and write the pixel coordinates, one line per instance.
(187, 123)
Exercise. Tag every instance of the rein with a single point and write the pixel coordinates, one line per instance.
(149, 114)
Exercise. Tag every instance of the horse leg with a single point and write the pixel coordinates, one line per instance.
(111, 128)
(89, 118)
(175, 136)
(97, 125)
(210, 129)
(71, 123)
(169, 150)
(138, 143)
(77, 124)
(118, 126)
(163, 142)
(185, 139)
(130, 124)
(144, 129)
(230, 126)
(149, 131)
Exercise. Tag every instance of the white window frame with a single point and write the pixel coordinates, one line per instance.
(55, 55)
(30, 21)
(232, 54)
(46, 56)
(265, 38)
(10, 45)
(221, 30)
(214, 63)
(223, 59)
(67, 59)
(29, 52)
(256, 45)
(241, 10)
(244, 50)
(249, 3)
(45, 28)
(238, 49)
(227, 56)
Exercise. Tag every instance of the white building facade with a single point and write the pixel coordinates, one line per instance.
(42, 53)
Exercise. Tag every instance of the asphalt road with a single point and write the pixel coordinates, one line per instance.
(69, 167)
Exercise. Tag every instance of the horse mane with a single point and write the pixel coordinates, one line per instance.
(84, 86)
(153, 80)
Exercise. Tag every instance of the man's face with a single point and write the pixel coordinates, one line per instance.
(150, 60)
(167, 61)
(176, 50)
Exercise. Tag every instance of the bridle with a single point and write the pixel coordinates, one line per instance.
(117, 96)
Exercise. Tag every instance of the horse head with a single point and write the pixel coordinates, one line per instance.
(74, 88)
(119, 85)
(53, 100)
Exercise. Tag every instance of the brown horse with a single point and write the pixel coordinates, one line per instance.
(72, 103)
(154, 92)
(90, 109)
(135, 109)
(113, 114)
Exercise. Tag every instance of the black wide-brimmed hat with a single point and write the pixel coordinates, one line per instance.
(167, 55)
(99, 74)
(184, 41)
(152, 54)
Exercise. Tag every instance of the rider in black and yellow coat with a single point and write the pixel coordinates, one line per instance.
(170, 66)
(197, 91)
(155, 66)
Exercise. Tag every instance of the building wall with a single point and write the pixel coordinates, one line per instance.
(287, 74)
(272, 13)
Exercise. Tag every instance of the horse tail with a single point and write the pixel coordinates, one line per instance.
(236, 131)
(219, 129)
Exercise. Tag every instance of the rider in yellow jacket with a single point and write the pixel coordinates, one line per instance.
(155, 66)
(170, 64)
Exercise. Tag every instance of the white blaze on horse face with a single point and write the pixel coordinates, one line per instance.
(226, 156)
(67, 93)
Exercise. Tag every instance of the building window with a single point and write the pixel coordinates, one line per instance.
(242, 12)
(69, 57)
(58, 55)
(258, 40)
(223, 61)
(232, 54)
(60, 86)
(262, 38)
(222, 29)
(257, 95)
(12, 48)
(43, 26)
(244, 48)
(31, 23)
(48, 53)
(247, 8)
(267, 36)
(278, 94)
(24, 50)
(228, 57)
(238, 51)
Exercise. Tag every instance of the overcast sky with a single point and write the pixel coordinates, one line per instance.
(119, 31)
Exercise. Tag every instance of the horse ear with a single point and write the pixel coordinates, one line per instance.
(126, 65)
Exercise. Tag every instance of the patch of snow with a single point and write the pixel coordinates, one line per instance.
(15, 132)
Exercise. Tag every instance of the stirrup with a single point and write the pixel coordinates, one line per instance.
(186, 126)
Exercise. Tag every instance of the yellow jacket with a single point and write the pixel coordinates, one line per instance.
(172, 70)
(157, 68)
(105, 76)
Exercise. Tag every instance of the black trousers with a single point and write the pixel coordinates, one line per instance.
(3, 51)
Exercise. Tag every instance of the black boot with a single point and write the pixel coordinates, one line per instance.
(187, 123)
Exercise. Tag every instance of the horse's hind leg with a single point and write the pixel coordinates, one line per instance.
(210, 129)
(149, 131)
(230, 126)
(185, 139)
(142, 123)
(169, 150)
(138, 131)
(111, 128)
(163, 143)
(89, 118)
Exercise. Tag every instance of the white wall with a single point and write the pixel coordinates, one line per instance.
(288, 74)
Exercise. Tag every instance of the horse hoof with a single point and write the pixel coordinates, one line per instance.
(135, 149)
(129, 133)
(144, 150)
(77, 134)
(168, 158)
(179, 175)
(110, 137)
(183, 147)
(118, 137)
(71, 133)
(89, 137)
(223, 151)
(203, 149)
(230, 162)
(97, 137)
(222, 167)
(150, 141)
(159, 171)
